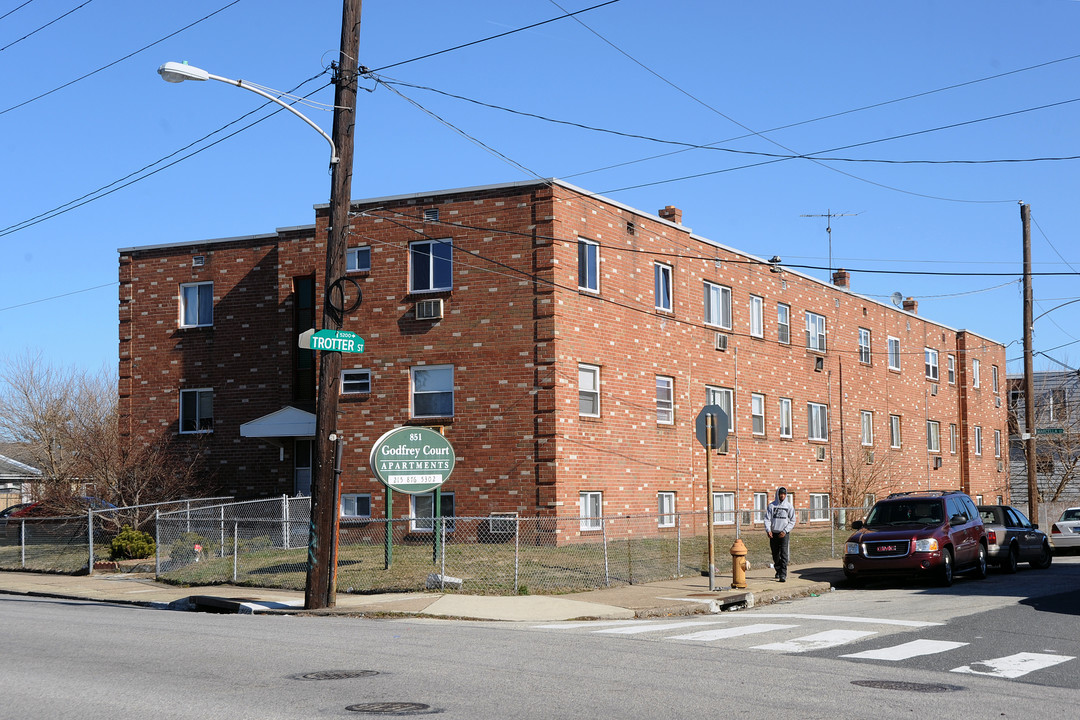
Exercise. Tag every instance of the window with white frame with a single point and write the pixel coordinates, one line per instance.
(665, 400)
(197, 304)
(931, 363)
(951, 359)
(588, 265)
(757, 316)
(662, 286)
(431, 265)
(588, 390)
(894, 431)
(994, 377)
(723, 508)
(952, 438)
(591, 510)
(783, 323)
(997, 443)
(355, 505)
(864, 346)
(819, 507)
(975, 373)
(197, 411)
(978, 440)
(432, 391)
(757, 413)
(761, 503)
(724, 397)
(815, 331)
(355, 381)
(933, 436)
(666, 506)
(422, 512)
(358, 259)
(717, 305)
(817, 421)
(302, 467)
(785, 418)
(894, 353)
(866, 418)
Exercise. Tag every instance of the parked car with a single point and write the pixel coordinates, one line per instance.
(12, 509)
(1012, 538)
(46, 515)
(1066, 531)
(925, 534)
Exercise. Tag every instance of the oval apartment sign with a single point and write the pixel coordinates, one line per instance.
(412, 460)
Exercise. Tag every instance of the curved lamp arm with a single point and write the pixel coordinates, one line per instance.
(175, 72)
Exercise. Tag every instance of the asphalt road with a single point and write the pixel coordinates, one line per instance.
(63, 659)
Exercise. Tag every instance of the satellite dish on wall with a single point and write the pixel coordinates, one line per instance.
(897, 299)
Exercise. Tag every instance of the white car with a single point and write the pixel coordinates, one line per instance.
(1065, 533)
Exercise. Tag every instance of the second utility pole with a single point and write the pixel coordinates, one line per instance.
(320, 590)
(1029, 374)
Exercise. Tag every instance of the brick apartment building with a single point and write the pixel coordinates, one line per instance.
(564, 343)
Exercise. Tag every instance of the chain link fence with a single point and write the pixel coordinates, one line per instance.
(75, 543)
(264, 544)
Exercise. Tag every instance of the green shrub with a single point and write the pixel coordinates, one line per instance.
(132, 544)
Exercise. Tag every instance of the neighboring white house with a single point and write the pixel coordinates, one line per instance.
(1057, 436)
(15, 477)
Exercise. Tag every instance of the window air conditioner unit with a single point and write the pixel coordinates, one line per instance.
(869, 457)
(429, 309)
(937, 463)
(721, 342)
(933, 388)
(198, 261)
(997, 401)
(1001, 466)
(819, 453)
(500, 526)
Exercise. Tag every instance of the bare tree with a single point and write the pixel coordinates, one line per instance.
(67, 422)
(1057, 435)
(866, 473)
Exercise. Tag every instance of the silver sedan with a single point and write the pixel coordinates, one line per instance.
(1065, 533)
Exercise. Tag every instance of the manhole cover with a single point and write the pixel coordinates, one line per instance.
(336, 674)
(908, 686)
(390, 708)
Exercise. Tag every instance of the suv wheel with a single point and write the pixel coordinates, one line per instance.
(980, 563)
(946, 567)
(1010, 561)
(1045, 558)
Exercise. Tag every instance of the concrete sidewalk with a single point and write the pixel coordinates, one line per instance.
(682, 596)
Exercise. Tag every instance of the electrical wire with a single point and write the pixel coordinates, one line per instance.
(115, 62)
(55, 297)
(34, 32)
(20, 7)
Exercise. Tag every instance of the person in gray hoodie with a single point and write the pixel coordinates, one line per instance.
(779, 521)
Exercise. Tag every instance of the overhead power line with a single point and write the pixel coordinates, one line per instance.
(37, 30)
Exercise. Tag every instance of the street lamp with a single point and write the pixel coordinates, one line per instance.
(322, 540)
(175, 72)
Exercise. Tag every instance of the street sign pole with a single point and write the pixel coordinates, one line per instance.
(708, 490)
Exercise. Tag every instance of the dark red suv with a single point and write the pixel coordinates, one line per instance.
(928, 534)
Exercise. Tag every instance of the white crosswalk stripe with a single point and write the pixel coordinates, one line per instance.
(817, 641)
(724, 633)
(1013, 666)
(656, 627)
(908, 650)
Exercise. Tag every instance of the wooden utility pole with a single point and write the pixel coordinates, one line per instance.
(1029, 375)
(320, 591)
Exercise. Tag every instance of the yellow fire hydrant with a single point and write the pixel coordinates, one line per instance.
(738, 564)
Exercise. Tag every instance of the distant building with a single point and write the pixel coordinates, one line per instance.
(16, 475)
(1057, 436)
(564, 343)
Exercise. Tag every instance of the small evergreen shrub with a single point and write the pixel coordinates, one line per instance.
(132, 544)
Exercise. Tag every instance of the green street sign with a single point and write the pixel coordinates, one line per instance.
(412, 460)
(1049, 431)
(338, 340)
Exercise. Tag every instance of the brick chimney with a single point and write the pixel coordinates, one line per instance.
(672, 213)
(842, 278)
(911, 305)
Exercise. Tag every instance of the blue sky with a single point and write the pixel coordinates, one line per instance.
(684, 72)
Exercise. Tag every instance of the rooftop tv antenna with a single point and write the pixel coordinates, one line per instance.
(829, 215)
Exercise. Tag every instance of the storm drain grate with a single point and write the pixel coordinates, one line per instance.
(337, 674)
(909, 686)
(390, 708)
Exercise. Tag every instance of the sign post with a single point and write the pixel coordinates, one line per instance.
(413, 460)
(711, 428)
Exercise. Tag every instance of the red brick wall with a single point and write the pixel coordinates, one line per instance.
(515, 329)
